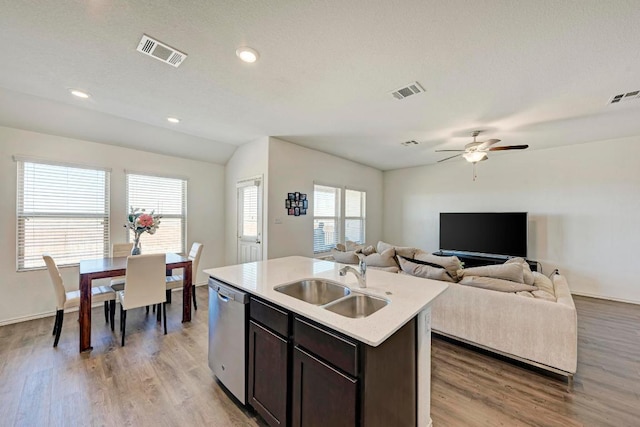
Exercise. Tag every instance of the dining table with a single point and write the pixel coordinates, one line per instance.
(100, 268)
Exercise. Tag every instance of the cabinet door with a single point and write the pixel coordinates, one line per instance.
(268, 374)
(322, 396)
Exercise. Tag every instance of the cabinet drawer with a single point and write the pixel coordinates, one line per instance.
(335, 350)
(270, 316)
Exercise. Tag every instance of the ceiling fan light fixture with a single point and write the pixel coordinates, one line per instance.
(474, 156)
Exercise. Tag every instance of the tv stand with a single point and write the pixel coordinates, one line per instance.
(478, 260)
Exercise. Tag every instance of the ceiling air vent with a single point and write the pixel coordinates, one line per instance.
(408, 90)
(161, 51)
(625, 97)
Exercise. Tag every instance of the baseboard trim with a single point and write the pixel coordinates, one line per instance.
(586, 294)
(53, 312)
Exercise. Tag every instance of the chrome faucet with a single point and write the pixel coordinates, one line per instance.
(360, 275)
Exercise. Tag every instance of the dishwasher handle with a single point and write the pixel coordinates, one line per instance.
(223, 297)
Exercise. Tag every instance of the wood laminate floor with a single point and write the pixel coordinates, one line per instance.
(159, 380)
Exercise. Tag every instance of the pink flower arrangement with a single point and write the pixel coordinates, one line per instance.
(145, 220)
(139, 222)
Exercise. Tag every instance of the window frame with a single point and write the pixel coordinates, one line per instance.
(183, 215)
(363, 211)
(341, 219)
(22, 215)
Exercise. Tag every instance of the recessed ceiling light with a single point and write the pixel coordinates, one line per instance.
(173, 120)
(79, 93)
(247, 54)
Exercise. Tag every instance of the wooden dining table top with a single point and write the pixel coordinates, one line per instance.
(98, 265)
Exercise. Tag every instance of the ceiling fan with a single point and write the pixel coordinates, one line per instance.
(476, 151)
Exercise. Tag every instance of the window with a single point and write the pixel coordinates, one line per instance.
(61, 210)
(337, 218)
(326, 218)
(354, 215)
(166, 197)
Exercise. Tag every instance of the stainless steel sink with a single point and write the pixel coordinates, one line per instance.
(357, 306)
(314, 291)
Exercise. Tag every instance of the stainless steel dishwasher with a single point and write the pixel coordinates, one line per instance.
(227, 336)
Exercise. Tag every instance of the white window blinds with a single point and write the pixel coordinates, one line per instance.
(61, 210)
(166, 197)
(249, 220)
(354, 212)
(326, 218)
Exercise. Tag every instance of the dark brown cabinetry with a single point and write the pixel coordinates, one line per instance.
(322, 396)
(268, 363)
(303, 374)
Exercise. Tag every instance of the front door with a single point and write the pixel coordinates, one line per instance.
(250, 220)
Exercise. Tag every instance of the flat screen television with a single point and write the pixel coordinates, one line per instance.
(494, 233)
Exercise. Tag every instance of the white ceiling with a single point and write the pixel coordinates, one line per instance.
(531, 72)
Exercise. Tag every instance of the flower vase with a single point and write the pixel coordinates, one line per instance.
(136, 245)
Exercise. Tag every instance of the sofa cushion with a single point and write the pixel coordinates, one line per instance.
(511, 272)
(384, 259)
(349, 257)
(424, 270)
(543, 283)
(527, 274)
(451, 263)
(403, 251)
(494, 284)
(543, 295)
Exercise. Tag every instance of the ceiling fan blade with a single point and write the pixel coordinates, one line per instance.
(509, 147)
(483, 146)
(457, 155)
(458, 151)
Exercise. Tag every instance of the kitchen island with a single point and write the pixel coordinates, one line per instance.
(407, 312)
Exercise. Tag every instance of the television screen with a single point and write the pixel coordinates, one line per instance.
(503, 233)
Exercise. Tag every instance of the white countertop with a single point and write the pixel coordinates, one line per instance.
(408, 295)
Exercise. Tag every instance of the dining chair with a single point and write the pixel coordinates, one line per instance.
(144, 286)
(119, 250)
(177, 281)
(65, 300)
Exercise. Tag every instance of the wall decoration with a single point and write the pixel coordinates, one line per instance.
(296, 204)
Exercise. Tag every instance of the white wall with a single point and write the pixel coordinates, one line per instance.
(583, 203)
(294, 168)
(248, 161)
(29, 294)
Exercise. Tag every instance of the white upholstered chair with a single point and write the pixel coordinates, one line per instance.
(119, 250)
(177, 281)
(144, 286)
(65, 300)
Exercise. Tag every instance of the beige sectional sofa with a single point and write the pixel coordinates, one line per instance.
(538, 331)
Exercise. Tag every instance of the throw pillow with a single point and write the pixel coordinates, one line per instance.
(543, 283)
(349, 257)
(511, 272)
(450, 263)
(352, 246)
(423, 270)
(368, 250)
(340, 247)
(527, 274)
(403, 251)
(494, 284)
(384, 259)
